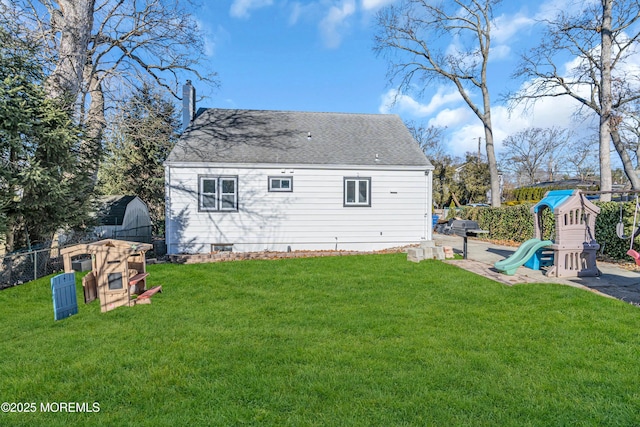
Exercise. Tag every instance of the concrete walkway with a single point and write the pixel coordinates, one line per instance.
(614, 281)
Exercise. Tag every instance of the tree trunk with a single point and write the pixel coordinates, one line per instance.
(491, 154)
(10, 236)
(493, 169)
(95, 122)
(74, 22)
(627, 163)
(605, 101)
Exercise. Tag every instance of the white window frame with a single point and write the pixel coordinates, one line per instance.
(279, 189)
(218, 195)
(358, 202)
(222, 194)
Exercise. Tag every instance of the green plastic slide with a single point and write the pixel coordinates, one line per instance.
(526, 250)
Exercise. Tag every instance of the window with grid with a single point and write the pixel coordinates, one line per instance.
(218, 193)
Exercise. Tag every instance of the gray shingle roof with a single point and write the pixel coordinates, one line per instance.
(282, 137)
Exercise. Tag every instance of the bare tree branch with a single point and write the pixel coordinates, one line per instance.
(601, 37)
(411, 35)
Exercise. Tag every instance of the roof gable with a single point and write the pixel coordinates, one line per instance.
(286, 137)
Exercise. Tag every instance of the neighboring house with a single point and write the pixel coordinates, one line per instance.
(123, 218)
(247, 180)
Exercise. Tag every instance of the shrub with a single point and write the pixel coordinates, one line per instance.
(515, 223)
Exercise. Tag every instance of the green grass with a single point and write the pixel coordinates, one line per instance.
(361, 340)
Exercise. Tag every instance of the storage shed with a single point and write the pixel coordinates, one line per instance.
(123, 217)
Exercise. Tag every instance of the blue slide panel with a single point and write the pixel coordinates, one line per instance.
(528, 249)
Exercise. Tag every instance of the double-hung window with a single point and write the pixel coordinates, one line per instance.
(218, 193)
(357, 192)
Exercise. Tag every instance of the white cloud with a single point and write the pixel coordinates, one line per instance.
(505, 27)
(547, 112)
(296, 11)
(450, 118)
(241, 8)
(629, 65)
(446, 109)
(499, 52)
(505, 30)
(551, 8)
(375, 4)
(335, 22)
(391, 101)
(465, 139)
(305, 12)
(212, 38)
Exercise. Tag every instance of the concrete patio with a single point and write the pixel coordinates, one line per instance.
(615, 281)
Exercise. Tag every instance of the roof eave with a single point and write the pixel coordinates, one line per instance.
(217, 165)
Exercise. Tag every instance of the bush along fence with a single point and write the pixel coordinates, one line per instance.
(515, 224)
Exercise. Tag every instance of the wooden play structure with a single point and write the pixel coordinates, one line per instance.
(118, 272)
(574, 246)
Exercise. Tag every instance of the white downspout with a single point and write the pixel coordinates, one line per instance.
(167, 208)
(429, 205)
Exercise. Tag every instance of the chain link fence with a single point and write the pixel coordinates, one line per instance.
(134, 234)
(20, 268)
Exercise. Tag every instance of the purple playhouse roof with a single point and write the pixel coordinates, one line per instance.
(553, 199)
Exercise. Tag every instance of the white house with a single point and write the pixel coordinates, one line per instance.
(247, 180)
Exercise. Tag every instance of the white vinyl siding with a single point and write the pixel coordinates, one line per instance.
(312, 217)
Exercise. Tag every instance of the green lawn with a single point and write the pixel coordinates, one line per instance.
(360, 340)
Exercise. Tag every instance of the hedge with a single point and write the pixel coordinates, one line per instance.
(515, 224)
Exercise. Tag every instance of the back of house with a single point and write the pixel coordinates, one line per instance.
(253, 180)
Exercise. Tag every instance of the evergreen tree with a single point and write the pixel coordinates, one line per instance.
(39, 175)
(473, 182)
(142, 135)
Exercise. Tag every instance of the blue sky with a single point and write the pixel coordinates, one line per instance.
(318, 56)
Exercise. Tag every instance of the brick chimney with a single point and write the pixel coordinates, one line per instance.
(188, 104)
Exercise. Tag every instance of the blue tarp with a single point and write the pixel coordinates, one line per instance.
(553, 199)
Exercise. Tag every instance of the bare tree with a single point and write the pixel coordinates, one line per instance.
(410, 35)
(629, 130)
(598, 36)
(529, 151)
(116, 45)
(71, 22)
(430, 141)
(581, 156)
(428, 138)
